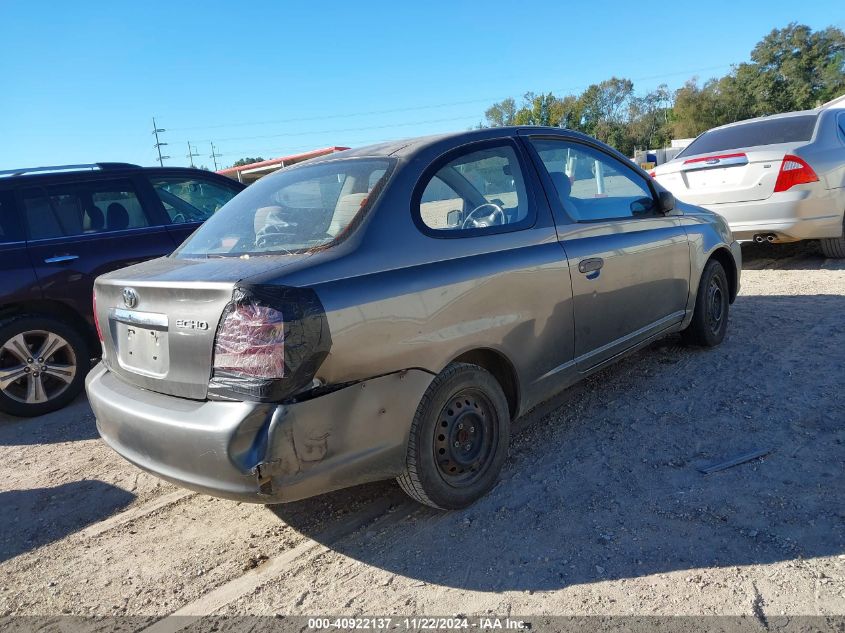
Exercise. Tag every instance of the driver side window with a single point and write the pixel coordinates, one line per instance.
(479, 190)
(593, 186)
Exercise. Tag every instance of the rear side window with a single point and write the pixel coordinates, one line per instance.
(80, 208)
(9, 225)
(295, 209)
(191, 199)
(479, 190)
(793, 129)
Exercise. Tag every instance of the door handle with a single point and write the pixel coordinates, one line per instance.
(60, 259)
(590, 265)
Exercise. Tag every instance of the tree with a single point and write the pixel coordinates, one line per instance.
(796, 69)
(246, 161)
(604, 110)
(793, 68)
(695, 109)
(649, 118)
(501, 114)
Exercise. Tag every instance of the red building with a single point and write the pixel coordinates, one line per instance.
(250, 173)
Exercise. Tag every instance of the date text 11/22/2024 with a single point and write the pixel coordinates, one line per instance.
(418, 623)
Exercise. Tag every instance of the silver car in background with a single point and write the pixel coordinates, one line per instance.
(386, 312)
(776, 179)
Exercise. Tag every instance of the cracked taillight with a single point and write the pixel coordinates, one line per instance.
(250, 340)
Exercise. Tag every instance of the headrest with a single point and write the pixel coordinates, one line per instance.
(117, 217)
(562, 184)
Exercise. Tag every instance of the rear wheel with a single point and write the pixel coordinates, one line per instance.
(710, 319)
(43, 364)
(834, 247)
(459, 438)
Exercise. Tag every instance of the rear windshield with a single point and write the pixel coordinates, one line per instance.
(292, 211)
(793, 129)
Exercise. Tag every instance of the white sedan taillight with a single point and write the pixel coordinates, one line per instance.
(794, 171)
(251, 340)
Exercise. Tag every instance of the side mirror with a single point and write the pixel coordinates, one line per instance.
(642, 206)
(453, 219)
(667, 201)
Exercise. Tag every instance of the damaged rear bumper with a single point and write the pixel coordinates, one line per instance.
(260, 452)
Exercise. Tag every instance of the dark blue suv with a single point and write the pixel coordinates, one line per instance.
(61, 227)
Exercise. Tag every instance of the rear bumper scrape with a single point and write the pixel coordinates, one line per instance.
(354, 435)
(259, 452)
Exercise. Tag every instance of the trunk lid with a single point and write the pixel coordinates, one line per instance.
(159, 318)
(740, 175)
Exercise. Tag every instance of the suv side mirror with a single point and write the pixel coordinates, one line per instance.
(453, 219)
(666, 201)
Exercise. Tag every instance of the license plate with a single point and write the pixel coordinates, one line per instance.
(143, 350)
(704, 178)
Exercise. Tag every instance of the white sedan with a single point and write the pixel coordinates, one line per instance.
(777, 179)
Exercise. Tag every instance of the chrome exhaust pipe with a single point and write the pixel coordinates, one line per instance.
(759, 238)
(770, 238)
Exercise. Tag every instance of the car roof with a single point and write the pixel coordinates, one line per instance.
(405, 148)
(769, 117)
(64, 173)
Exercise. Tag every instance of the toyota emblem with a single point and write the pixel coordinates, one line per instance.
(130, 297)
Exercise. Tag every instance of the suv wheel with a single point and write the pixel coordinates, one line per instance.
(459, 438)
(43, 364)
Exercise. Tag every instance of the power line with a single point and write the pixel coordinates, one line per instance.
(352, 129)
(374, 127)
(424, 107)
(274, 150)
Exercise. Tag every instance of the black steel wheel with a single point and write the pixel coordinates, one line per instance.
(710, 319)
(459, 438)
(465, 437)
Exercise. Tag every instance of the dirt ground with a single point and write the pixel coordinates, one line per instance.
(601, 508)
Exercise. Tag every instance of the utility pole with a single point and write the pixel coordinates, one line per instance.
(214, 155)
(191, 153)
(158, 143)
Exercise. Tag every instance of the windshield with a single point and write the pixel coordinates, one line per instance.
(293, 210)
(793, 129)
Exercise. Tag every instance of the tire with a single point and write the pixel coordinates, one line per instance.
(463, 404)
(834, 247)
(33, 384)
(712, 304)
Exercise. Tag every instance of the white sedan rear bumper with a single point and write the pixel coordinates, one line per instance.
(790, 215)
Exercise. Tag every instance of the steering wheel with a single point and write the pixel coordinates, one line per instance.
(179, 218)
(488, 220)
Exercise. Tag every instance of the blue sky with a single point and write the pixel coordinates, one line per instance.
(81, 80)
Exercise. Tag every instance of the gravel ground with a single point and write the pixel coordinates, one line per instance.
(601, 508)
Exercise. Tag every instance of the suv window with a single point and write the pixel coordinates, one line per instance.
(9, 223)
(78, 208)
(592, 185)
(792, 129)
(190, 199)
(481, 189)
